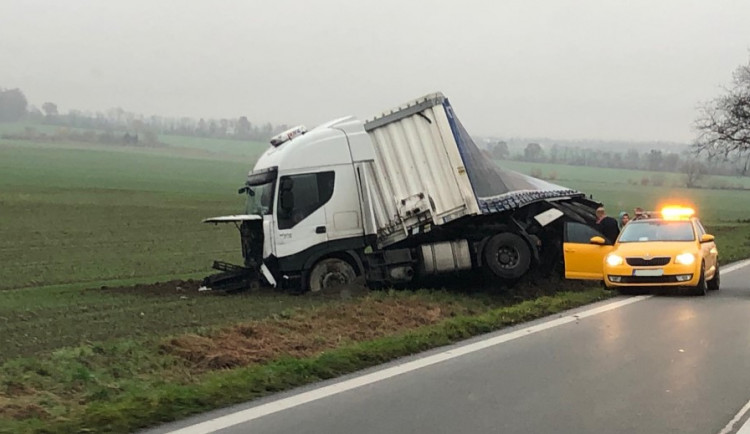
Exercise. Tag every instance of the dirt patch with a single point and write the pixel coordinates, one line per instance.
(12, 410)
(172, 287)
(305, 333)
(344, 292)
(190, 287)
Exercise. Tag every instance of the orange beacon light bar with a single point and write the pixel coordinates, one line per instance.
(677, 213)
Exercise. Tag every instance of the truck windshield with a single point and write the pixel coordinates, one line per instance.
(657, 231)
(260, 199)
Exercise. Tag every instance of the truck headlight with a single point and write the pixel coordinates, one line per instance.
(614, 260)
(685, 258)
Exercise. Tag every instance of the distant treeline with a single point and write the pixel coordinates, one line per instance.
(14, 107)
(655, 160)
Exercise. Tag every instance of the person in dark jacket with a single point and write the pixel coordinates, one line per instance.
(607, 225)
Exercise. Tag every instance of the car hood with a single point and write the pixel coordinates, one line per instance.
(655, 248)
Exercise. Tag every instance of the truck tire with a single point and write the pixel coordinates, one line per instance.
(330, 273)
(507, 255)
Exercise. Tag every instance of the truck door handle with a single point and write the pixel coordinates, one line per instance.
(320, 230)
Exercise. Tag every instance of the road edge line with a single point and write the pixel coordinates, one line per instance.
(738, 417)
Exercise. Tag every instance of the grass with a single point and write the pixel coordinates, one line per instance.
(84, 215)
(733, 241)
(75, 217)
(36, 321)
(125, 385)
(248, 149)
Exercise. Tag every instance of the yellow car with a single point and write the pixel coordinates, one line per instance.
(671, 250)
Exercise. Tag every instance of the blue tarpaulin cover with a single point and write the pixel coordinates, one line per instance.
(499, 189)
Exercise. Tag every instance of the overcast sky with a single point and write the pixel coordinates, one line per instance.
(633, 70)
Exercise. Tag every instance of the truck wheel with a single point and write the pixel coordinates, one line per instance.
(507, 255)
(713, 284)
(330, 273)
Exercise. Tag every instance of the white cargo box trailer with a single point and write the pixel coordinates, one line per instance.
(427, 171)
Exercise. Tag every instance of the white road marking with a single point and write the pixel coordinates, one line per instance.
(374, 377)
(735, 266)
(257, 412)
(745, 428)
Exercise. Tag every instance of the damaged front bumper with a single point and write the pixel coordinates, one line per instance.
(235, 278)
(254, 273)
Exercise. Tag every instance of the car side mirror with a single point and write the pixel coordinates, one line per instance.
(598, 240)
(706, 238)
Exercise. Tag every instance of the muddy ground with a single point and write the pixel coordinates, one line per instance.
(190, 288)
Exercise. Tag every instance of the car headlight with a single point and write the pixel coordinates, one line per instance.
(614, 260)
(685, 258)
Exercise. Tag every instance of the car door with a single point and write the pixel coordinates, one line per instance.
(708, 250)
(583, 259)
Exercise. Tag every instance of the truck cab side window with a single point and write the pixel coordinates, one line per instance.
(301, 195)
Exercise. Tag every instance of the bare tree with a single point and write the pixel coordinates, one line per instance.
(694, 171)
(724, 124)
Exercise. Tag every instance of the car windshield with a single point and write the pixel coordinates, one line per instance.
(260, 199)
(657, 230)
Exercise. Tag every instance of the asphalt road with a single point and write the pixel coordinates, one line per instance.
(664, 364)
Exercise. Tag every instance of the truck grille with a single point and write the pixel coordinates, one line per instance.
(643, 262)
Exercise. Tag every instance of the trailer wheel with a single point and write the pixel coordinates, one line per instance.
(507, 255)
(330, 273)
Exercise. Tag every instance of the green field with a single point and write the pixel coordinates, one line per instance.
(82, 347)
(621, 190)
(75, 215)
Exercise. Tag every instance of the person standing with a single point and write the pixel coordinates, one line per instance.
(623, 220)
(607, 225)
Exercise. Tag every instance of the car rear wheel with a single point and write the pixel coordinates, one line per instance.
(713, 284)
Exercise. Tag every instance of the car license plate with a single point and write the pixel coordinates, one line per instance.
(649, 272)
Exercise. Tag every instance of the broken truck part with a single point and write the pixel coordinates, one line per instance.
(404, 195)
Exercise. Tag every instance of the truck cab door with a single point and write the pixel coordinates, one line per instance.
(583, 259)
(301, 220)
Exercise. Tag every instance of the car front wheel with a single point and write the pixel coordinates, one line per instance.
(702, 287)
(713, 284)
